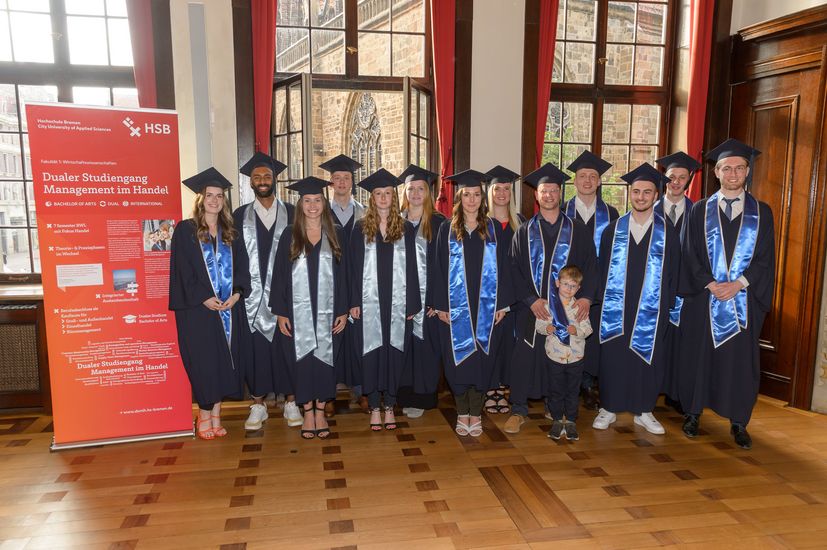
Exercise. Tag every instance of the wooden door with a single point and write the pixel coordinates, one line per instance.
(777, 105)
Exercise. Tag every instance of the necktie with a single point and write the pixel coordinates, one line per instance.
(673, 214)
(728, 207)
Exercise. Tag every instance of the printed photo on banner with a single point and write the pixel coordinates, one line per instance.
(158, 235)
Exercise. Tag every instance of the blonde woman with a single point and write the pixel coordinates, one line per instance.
(502, 210)
(384, 295)
(421, 375)
(205, 292)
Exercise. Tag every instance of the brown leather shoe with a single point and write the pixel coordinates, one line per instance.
(363, 404)
(513, 424)
(329, 410)
(591, 399)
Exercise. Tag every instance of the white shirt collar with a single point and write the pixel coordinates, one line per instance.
(638, 231)
(586, 212)
(266, 215)
(737, 206)
(680, 207)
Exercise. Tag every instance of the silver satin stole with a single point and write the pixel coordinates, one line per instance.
(257, 304)
(422, 270)
(306, 336)
(371, 317)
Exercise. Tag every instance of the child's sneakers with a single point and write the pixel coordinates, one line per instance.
(570, 429)
(557, 430)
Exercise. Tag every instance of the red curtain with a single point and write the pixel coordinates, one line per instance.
(545, 65)
(264, 60)
(143, 52)
(443, 24)
(700, 52)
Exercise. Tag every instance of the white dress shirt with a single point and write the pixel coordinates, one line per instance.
(737, 210)
(680, 207)
(586, 212)
(638, 231)
(266, 215)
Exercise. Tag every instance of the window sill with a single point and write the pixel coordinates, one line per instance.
(20, 292)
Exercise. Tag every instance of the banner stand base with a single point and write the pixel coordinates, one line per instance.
(112, 441)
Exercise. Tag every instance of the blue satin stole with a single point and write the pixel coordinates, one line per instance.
(675, 311)
(642, 341)
(601, 219)
(728, 318)
(463, 338)
(219, 262)
(559, 258)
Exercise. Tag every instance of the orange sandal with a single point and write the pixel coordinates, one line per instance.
(204, 434)
(219, 430)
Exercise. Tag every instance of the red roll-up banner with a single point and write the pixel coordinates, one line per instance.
(107, 195)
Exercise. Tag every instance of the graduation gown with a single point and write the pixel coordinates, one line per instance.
(210, 362)
(423, 365)
(479, 369)
(259, 360)
(627, 382)
(509, 323)
(673, 333)
(528, 369)
(347, 365)
(381, 369)
(591, 360)
(725, 379)
(310, 378)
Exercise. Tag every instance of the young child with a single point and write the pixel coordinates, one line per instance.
(565, 361)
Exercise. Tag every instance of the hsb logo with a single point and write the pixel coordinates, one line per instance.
(157, 128)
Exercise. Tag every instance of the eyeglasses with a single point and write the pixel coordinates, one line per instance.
(727, 170)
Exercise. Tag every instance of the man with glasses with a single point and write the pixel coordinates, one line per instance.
(260, 225)
(727, 285)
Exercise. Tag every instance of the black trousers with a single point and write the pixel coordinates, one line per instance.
(564, 389)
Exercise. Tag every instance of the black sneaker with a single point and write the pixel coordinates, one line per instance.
(556, 430)
(570, 430)
(690, 425)
(742, 438)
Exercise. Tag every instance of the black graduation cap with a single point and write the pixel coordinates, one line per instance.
(414, 173)
(587, 159)
(679, 160)
(260, 159)
(310, 185)
(380, 178)
(500, 174)
(733, 148)
(208, 178)
(340, 163)
(547, 173)
(468, 178)
(646, 172)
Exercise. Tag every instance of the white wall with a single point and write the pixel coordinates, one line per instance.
(749, 12)
(219, 120)
(497, 84)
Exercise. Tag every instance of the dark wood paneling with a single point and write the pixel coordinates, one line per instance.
(243, 60)
(529, 134)
(777, 87)
(717, 103)
(462, 84)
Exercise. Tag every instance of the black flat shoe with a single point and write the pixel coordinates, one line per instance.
(690, 426)
(673, 403)
(591, 399)
(742, 438)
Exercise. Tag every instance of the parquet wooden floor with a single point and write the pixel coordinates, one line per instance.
(423, 487)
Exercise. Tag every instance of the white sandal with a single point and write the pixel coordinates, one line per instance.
(462, 427)
(475, 429)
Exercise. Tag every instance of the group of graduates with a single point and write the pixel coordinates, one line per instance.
(386, 298)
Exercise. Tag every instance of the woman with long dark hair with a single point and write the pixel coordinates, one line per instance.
(421, 375)
(204, 291)
(502, 210)
(472, 290)
(384, 294)
(310, 301)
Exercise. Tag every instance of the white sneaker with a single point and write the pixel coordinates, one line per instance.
(412, 412)
(258, 415)
(648, 421)
(603, 420)
(292, 415)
